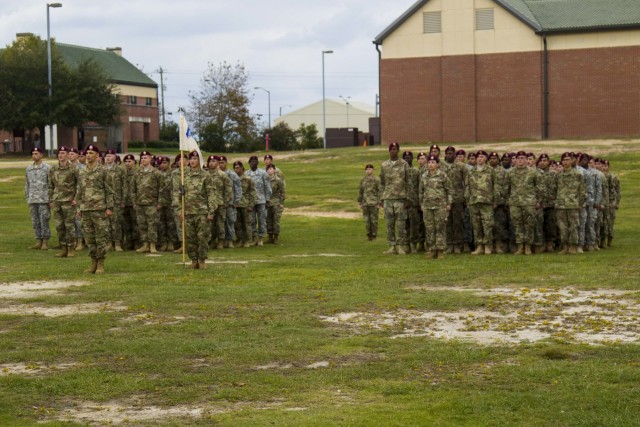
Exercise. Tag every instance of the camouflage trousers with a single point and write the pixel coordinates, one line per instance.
(259, 220)
(395, 215)
(455, 224)
(129, 227)
(115, 224)
(370, 215)
(147, 217)
(482, 223)
(95, 227)
(587, 229)
(274, 213)
(166, 226)
(230, 223)
(243, 224)
(178, 223)
(612, 220)
(568, 225)
(523, 218)
(435, 224)
(218, 223)
(501, 224)
(40, 215)
(64, 220)
(197, 234)
(78, 231)
(546, 226)
(413, 223)
(602, 225)
(467, 229)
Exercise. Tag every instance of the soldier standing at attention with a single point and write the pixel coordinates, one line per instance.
(570, 197)
(36, 191)
(368, 200)
(263, 193)
(147, 190)
(457, 172)
(63, 182)
(224, 192)
(546, 223)
(268, 160)
(523, 194)
(236, 186)
(167, 234)
(245, 206)
(614, 199)
(116, 175)
(129, 223)
(414, 215)
(200, 203)
(436, 197)
(95, 200)
(395, 184)
(500, 214)
(481, 192)
(275, 204)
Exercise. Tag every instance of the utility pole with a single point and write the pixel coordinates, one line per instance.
(161, 71)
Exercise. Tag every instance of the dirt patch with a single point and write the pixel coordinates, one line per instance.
(62, 310)
(152, 319)
(320, 214)
(8, 179)
(33, 368)
(285, 366)
(34, 289)
(316, 255)
(512, 316)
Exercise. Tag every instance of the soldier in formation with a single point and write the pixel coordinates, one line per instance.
(368, 200)
(36, 191)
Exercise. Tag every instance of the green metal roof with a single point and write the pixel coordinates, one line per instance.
(118, 69)
(555, 16)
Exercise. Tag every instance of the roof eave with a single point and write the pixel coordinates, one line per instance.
(399, 21)
(534, 25)
(574, 30)
(123, 82)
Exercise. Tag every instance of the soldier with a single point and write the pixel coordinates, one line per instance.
(414, 215)
(457, 173)
(236, 186)
(268, 160)
(116, 175)
(523, 194)
(602, 223)
(435, 198)
(614, 200)
(263, 193)
(129, 222)
(224, 191)
(74, 155)
(395, 186)
(589, 212)
(63, 181)
(570, 197)
(200, 203)
(368, 200)
(546, 225)
(95, 200)
(147, 190)
(531, 160)
(481, 193)
(167, 234)
(275, 204)
(245, 205)
(500, 211)
(37, 194)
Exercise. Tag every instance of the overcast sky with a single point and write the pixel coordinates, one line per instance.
(280, 42)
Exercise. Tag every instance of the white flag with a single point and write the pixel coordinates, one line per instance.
(187, 142)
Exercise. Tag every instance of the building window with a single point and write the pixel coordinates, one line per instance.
(133, 99)
(484, 19)
(431, 22)
(149, 102)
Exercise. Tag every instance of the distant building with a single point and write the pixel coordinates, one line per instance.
(485, 70)
(338, 115)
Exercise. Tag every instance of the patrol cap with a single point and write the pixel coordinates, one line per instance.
(481, 152)
(111, 151)
(394, 144)
(567, 155)
(253, 158)
(129, 157)
(521, 154)
(450, 149)
(36, 150)
(369, 166)
(435, 158)
(63, 149)
(434, 147)
(268, 156)
(238, 163)
(90, 147)
(73, 150)
(222, 158)
(194, 153)
(461, 152)
(145, 153)
(494, 154)
(407, 154)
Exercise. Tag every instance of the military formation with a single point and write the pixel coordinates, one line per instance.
(105, 203)
(483, 203)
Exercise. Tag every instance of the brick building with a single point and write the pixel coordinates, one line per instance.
(485, 70)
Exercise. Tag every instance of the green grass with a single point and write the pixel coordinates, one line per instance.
(209, 330)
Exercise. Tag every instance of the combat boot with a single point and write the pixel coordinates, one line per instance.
(466, 248)
(163, 247)
(79, 244)
(275, 239)
(118, 246)
(573, 249)
(245, 244)
(45, 245)
(414, 248)
(520, 250)
(100, 266)
(144, 248)
(589, 248)
(450, 249)
(458, 249)
(259, 242)
(220, 245)
(71, 251)
(564, 249)
(63, 253)
(400, 250)
(487, 250)
(194, 264)
(539, 249)
(549, 247)
(37, 245)
(439, 254)
(431, 254)
(527, 249)
(479, 250)
(407, 248)
(94, 265)
(500, 247)
(229, 244)
(152, 248)
(578, 249)
(178, 250)
(202, 264)
(390, 251)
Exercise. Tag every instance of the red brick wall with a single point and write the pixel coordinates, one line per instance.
(458, 98)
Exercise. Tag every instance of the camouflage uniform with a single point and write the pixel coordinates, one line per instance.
(94, 197)
(570, 197)
(236, 185)
(224, 191)
(248, 200)
(501, 219)
(167, 232)
(275, 208)
(200, 201)
(457, 173)
(63, 182)
(414, 214)
(147, 190)
(546, 224)
(614, 204)
(602, 228)
(129, 222)
(435, 193)
(589, 212)
(395, 184)
(36, 191)
(78, 222)
(263, 193)
(369, 199)
(480, 192)
(522, 190)
(117, 177)
(176, 179)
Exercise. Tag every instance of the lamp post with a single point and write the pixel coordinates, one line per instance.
(269, 100)
(50, 5)
(282, 106)
(346, 101)
(324, 103)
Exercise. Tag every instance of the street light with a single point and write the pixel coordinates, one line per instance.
(346, 101)
(324, 103)
(50, 5)
(269, 99)
(282, 106)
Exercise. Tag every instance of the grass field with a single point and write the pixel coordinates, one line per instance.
(323, 329)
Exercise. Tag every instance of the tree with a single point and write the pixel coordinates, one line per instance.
(83, 94)
(220, 110)
(308, 137)
(170, 132)
(281, 137)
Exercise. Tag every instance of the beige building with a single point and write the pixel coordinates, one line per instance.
(338, 115)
